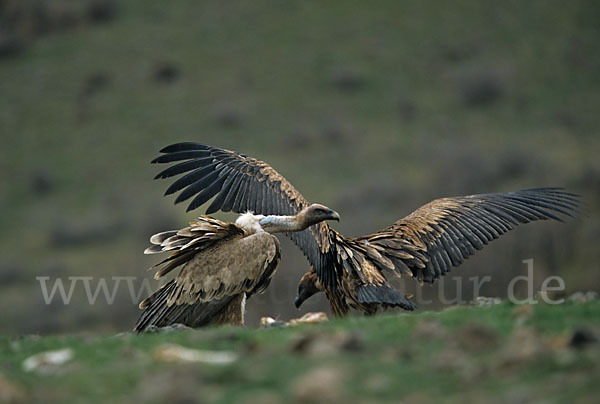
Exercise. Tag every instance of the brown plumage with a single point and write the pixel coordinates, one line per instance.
(354, 271)
(221, 263)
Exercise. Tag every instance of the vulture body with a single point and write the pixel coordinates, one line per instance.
(354, 272)
(222, 264)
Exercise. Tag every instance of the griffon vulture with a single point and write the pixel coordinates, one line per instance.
(222, 265)
(354, 272)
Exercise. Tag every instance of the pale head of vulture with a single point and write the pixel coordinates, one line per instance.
(314, 214)
(309, 285)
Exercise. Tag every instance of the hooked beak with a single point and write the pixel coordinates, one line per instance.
(298, 302)
(333, 215)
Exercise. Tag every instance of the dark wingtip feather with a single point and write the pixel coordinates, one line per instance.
(548, 199)
(181, 197)
(183, 146)
(171, 190)
(212, 209)
(180, 155)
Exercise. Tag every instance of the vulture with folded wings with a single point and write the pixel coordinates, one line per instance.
(354, 272)
(222, 264)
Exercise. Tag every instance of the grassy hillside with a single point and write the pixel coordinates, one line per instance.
(370, 110)
(503, 353)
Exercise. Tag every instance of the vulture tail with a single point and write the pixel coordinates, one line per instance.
(384, 294)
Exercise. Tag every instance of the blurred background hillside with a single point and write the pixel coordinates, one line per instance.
(372, 111)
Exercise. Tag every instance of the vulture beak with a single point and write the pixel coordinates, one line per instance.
(298, 302)
(333, 215)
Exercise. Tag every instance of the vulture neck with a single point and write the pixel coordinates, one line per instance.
(281, 224)
(252, 223)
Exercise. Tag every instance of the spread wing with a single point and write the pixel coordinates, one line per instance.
(219, 262)
(446, 231)
(241, 183)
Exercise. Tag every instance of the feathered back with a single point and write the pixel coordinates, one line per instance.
(187, 242)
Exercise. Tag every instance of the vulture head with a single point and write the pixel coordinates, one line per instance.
(309, 285)
(314, 214)
(308, 216)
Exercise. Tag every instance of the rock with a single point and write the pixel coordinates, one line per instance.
(487, 301)
(523, 345)
(11, 272)
(316, 344)
(482, 87)
(450, 359)
(166, 73)
(352, 342)
(10, 46)
(174, 384)
(476, 337)
(49, 361)
(348, 79)
(180, 354)
(322, 385)
(93, 84)
(309, 318)
(228, 116)
(10, 392)
(429, 329)
(41, 182)
(583, 296)
(101, 10)
(550, 296)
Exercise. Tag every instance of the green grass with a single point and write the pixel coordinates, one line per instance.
(433, 357)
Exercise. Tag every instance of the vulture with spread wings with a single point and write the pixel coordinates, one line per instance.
(354, 272)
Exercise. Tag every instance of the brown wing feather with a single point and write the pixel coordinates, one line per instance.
(240, 183)
(157, 313)
(189, 241)
(240, 265)
(446, 231)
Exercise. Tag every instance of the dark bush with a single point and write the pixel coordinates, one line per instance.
(101, 10)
